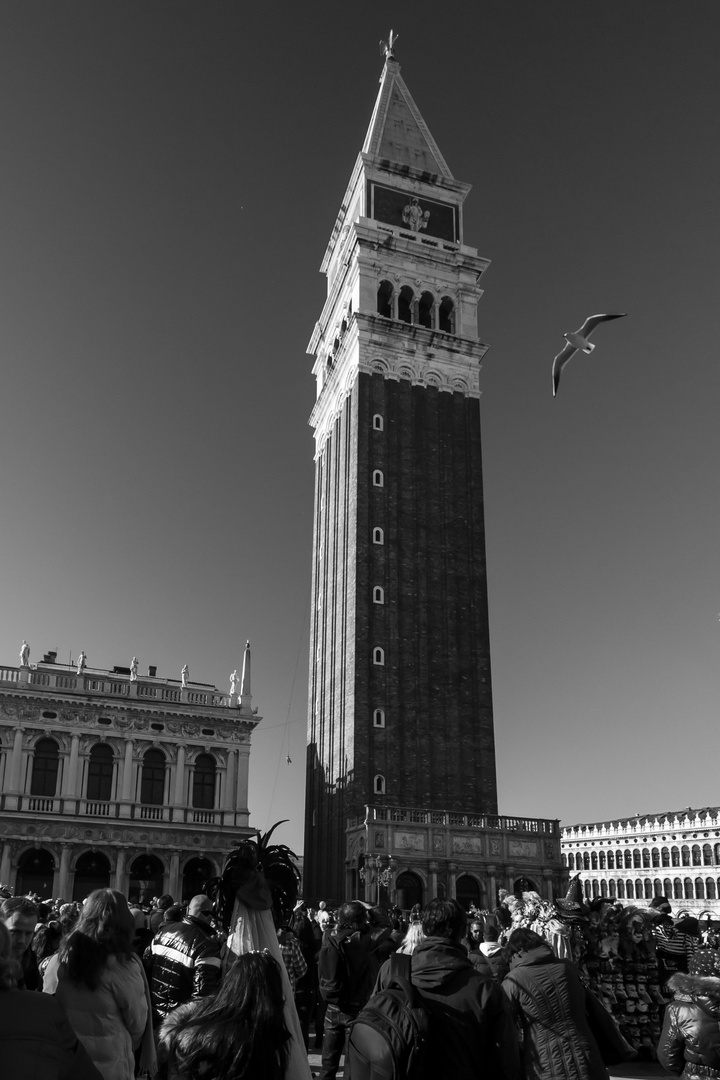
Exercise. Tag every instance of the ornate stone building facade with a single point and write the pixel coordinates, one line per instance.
(674, 854)
(406, 856)
(111, 778)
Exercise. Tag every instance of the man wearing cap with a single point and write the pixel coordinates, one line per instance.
(183, 961)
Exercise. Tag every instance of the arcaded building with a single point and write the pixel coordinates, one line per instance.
(675, 853)
(120, 779)
(401, 796)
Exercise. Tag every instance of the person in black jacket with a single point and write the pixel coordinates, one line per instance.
(183, 960)
(347, 968)
(471, 1029)
(690, 1041)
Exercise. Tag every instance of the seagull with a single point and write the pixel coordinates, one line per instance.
(578, 340)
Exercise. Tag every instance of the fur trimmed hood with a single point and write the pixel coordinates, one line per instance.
(175, 1021)
(704, 989)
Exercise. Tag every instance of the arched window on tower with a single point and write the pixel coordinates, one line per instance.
(405, 304)
(378, 656)
(446, 316)
(378, 536)
(379, 785)
(378, 478)
(378, 595)
(377, 422)
(384, 299)
(425, 309)
(378, 718)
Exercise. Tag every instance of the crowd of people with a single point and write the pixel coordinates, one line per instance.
(107, 989)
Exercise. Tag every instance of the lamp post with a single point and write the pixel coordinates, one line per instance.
(377, 870)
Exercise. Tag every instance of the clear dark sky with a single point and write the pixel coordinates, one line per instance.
(169, 178)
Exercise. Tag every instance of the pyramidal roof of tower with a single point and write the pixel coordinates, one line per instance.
(397, 131)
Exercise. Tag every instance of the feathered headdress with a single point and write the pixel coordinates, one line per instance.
(259, 874)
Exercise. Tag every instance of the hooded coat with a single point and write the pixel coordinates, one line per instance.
(471, 1029)
(548, 1001)
(348, 966)
(691, 1029)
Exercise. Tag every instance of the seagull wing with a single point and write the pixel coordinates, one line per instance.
(559, 363)
(594, 320)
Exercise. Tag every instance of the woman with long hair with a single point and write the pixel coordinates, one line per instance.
(101, 984)
(240, 1034)
(36, 1038)
(412, 939)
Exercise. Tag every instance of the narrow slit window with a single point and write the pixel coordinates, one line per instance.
(379, 784)
(378, 656)
(378, 536)
(377, 422)
(378, 594)
(379, 718)
(378, 478)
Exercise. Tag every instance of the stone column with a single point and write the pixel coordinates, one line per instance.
(433, 868)
(509, 875)
(452, 875)
(179, 797)
(70, 791)
(63, 885)
(547, 874)
(230, 781)
(14, 789)
(173, 884)
(492, 887)
(5, 864)
(128, 795)
(120, 876)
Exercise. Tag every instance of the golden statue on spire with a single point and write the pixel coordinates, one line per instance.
(387, 47)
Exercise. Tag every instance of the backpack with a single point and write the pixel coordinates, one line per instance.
(389, 1037)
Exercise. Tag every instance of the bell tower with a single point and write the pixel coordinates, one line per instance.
(400, 695)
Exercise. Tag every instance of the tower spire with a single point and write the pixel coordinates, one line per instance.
(245, 695)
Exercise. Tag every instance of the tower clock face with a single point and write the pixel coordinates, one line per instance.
(412, 212)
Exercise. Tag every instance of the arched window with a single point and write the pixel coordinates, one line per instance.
(203, 793)
(710, 887)
(100, 774)
(384, 299)
(378, 718)
(379, 784)
(35, 872)
(613, 888)
(586, 860)
(378, 594)
(685, 855)
(665, 856)
(655, 857)
(621, 889)
(377, 422)
(587, 890)
(648, 889)
(688, 888)
(699, 888)
(378, 478)
(628, 860)
(152, 787)
(603, 887)
(594, 860)
(92, 871)
(619, 859)
(378, 656)
(45, 768)
(630, 890)
(667, 889)
(646, 858)
(425, 309)
(696, 855)
(675, 856)
(405, 304)
(657, 887)
(378, 536)
(571, 861)
(611, 860)
(636, 859)
(601, 859)
(677, 889)
(707, 855)
(446, 316)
